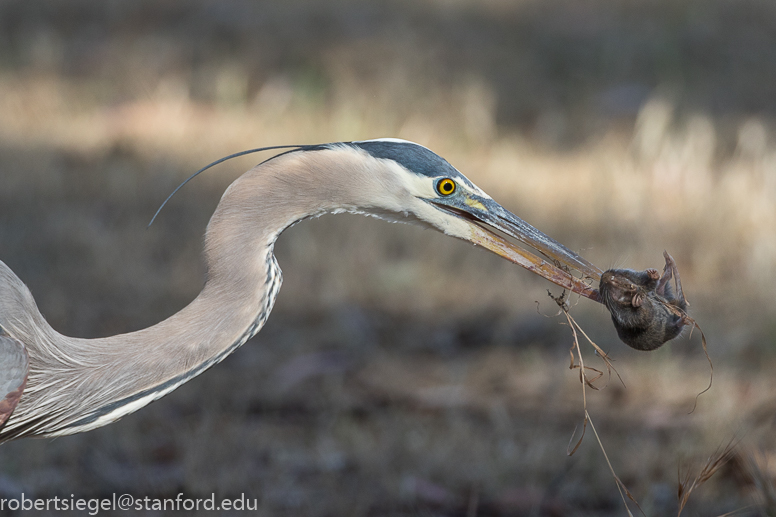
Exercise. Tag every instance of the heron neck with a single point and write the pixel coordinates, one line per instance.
(77, 384)
(107, 378)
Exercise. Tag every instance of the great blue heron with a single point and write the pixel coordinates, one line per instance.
(54, 385)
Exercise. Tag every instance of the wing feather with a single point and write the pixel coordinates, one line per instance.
(14, 368)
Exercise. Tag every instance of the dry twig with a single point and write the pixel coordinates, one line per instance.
(585, 381)
(712, 465)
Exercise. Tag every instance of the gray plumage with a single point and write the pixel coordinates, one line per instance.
(75, 385)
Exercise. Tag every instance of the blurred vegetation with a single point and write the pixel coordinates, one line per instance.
(402, 372)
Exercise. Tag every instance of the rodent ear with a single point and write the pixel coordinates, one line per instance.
(638, 299)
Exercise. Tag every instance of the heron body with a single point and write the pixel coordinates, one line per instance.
(53, 385)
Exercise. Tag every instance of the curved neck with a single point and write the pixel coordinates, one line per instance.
(107, 378)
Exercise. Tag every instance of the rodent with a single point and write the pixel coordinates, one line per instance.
(647, 311)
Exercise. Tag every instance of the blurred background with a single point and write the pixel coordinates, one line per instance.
(403, 372)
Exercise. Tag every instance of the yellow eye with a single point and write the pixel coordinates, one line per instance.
(445, 186)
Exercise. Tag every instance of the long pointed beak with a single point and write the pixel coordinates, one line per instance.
(482, 214)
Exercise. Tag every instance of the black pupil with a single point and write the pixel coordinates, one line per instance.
(447, 187)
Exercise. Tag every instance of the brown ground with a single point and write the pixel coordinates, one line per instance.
(402, 372)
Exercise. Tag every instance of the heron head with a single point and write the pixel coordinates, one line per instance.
(437, 194)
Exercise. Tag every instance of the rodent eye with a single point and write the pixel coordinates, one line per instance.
(445, 186)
